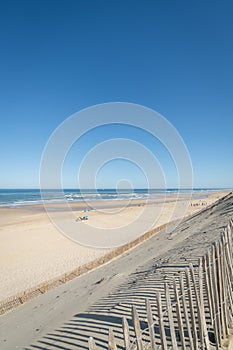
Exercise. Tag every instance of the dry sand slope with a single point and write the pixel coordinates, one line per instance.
(87, 306)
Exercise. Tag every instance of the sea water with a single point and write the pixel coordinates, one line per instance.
(21, 197)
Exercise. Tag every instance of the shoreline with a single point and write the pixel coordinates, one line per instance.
(80, 204)
(33, 251)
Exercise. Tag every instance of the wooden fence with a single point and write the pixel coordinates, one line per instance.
(194, 312)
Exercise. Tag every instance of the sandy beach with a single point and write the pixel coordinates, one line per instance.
(32, 250)
(67, 316)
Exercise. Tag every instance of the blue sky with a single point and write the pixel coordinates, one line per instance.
(58, 57)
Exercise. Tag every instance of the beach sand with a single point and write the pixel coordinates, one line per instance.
(67, 316)
(32, 250)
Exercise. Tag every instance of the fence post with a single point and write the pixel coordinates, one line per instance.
(137, 328)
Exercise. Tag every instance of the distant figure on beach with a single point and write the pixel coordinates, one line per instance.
(82, 218)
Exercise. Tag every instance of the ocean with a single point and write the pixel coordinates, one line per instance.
(21, 197)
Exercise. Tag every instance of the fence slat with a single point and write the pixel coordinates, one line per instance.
(220, 288)
(228, 271)
(196, 297)
(91, 344)
(179, 315)
(203, 325)
(170, 317)
(207, 285)
(185, 309)
(229, 233)
(111, 340)
(212, 295)
(229, 295)
(216, 295)
(228, 238)
(150, 325)
(191, 308)
(126, 335)
(161, 323)
(223, 273)
(228, 252)
(137, 328)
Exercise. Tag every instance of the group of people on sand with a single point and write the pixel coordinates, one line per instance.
(197, 204)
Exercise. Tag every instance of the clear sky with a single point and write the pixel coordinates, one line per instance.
(58, 57)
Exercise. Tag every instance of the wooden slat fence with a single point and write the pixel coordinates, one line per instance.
(194, 312)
